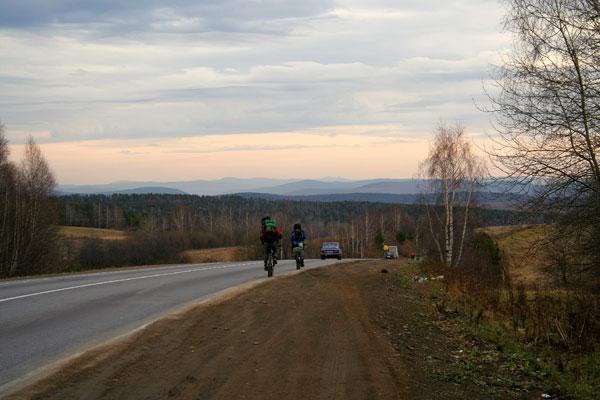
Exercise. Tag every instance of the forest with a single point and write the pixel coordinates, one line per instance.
(198, 222)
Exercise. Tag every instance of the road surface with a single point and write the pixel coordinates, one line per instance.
(44, 320)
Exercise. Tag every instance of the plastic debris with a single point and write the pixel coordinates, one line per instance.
(421, 279)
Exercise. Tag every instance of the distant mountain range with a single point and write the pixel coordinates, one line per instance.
(318, 187)
(326, 189)
(149, 190)
(200, 187)
(108, 191)
(287, 187)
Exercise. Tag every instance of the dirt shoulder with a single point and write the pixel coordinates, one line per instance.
(346, 331)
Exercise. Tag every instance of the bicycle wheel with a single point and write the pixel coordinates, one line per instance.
(270, 266)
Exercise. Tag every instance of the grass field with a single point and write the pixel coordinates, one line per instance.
(77, 232)
(521, 245)
(219, 254)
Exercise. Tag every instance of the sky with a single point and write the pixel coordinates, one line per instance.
(197, 89)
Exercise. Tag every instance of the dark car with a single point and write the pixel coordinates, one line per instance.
(331, 250)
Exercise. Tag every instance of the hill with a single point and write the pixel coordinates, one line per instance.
(339, 197)
(199, 187)
(320, 187)
(149, 190)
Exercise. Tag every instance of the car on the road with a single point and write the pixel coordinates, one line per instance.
(331, 250)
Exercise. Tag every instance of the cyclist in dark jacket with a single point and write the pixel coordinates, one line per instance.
(298, 237)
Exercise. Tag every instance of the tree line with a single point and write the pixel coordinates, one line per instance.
(216, 221)
(27, 212)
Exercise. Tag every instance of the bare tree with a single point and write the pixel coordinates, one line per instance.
(9, 191)
(4, 152)
(453, 173)
(35, 211)
(26, 215)
(547, 111)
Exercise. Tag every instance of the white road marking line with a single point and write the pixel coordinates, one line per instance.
(121, 271)
(121, 280)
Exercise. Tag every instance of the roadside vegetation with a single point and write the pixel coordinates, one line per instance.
(477, 349)
(533, 290)
(542, 329)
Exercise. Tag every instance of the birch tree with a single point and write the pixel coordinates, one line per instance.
(453, 173)
(7, 206)
(26, 212)
(35, 212)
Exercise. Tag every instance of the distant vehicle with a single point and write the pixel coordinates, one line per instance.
(390, 252)
(331, 250)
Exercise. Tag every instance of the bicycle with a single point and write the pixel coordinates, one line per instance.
(270, 261)
(299, 255)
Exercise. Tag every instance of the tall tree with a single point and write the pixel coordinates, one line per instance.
(453, 173)
(547, 111)
(26, 212)
(7, 205)
(36, 214)
(4, 151)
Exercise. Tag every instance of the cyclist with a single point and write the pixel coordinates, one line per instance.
(270, 236)
(297, 237)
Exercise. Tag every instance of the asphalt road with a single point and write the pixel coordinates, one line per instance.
(47, 319)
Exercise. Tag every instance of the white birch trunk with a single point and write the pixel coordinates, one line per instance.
(450, 248)
(435, 239)
(464, 230)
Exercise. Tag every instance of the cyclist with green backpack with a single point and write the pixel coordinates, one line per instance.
(270, 236)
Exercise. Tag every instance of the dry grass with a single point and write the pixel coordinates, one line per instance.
(215, 255)
(77, 232)
(500, 232)
(521, 245)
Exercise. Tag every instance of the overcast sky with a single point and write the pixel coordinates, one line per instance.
(157, 90)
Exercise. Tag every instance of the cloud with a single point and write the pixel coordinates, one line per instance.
(289, 96)
(143, 70)
(114, 18)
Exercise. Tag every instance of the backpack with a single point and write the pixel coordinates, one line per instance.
(298, 236)
(269, 225)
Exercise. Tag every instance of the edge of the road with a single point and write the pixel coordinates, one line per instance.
(205, 301)
(107, 270)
